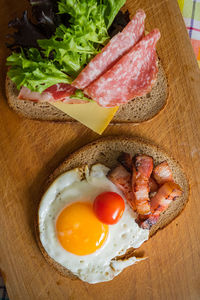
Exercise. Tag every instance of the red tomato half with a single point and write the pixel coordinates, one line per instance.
(109, 207)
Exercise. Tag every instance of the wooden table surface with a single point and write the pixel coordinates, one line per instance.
(30, 150)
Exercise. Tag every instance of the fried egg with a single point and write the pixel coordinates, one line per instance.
(73, 236)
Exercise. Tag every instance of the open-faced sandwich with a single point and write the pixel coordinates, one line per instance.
(85, 60)
(103, 202)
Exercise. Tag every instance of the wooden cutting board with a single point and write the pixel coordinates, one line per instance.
(30, 150)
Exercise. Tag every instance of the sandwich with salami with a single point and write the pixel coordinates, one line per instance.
(75, 59)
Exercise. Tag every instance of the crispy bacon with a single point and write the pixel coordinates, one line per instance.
(148, 223)
(144, 165)
(126, 160)
(136, 182)
(166, 193)
(153, 185)
(140, 189)
(160, 202)
(122, 179)
(162, 173)
(140, 183)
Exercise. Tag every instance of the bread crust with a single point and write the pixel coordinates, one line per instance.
(135, 111)
(105, 151)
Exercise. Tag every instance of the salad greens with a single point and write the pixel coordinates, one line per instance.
(112, 9)
(73, 47)
(69, 33)
(34, 72)
(78, 94)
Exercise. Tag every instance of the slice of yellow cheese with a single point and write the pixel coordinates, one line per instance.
(90, 114)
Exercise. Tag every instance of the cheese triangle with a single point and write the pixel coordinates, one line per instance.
(90, 114)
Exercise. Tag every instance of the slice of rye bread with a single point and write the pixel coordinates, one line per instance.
(106, 151)
(135, 111)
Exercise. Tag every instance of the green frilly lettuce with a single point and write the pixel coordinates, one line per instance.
(64, 55)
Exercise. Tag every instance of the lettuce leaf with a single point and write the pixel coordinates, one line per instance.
(34, 72)
(61, 57)
(112, 8)
(73, 47)
(41, 21)
(80, 95)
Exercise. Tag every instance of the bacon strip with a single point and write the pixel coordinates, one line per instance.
(162, 173)
(148, 223)
(137, 187)
(117, 46)
(152, 185)
(122, 179)
(160, 202)
(140, 183)
(166, 193)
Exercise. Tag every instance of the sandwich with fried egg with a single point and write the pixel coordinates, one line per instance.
(103, 202)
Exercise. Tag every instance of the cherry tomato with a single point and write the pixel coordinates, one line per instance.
(109, 207)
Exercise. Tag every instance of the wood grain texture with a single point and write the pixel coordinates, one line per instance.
(31, 150)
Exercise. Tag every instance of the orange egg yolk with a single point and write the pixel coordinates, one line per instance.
(78, 229)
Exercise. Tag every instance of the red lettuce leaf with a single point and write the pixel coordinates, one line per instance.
(41, 24)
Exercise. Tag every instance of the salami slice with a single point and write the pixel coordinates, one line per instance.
(58, 92)
(133, 75)
(117, 46)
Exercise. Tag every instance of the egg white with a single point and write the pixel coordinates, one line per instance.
(100, 265)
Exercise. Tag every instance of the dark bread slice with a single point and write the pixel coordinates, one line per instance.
(106, 151)
(135, 111)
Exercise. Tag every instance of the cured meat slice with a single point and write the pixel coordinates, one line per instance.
(153, 185)
(167, 193)
(122, 179)
(133, 75)
(117, 46)
(57, 92)
(162, 173)
(27, 94)
(61, 91)
(140, 183)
